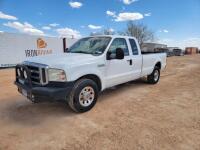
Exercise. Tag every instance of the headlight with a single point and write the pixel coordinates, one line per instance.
(25, 74)
(18, 72)
(57, 75)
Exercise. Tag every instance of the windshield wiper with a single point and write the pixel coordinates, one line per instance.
(97, 53)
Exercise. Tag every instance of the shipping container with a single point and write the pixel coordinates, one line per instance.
(14, 48)
(191, 50)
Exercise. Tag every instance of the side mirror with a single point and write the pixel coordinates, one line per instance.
(66, 50)
(119, 53)
(108, 56)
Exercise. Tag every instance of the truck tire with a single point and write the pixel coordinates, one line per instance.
(154, 77)
(83, 96)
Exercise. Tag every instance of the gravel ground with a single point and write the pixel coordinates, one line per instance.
(131, 116)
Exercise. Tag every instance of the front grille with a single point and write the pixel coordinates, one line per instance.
(38, 73)
(35, 74)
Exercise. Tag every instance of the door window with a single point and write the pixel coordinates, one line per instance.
(119, 43)
(133, 46)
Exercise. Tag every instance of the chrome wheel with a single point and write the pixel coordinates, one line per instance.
(86, 96)
(156, 75)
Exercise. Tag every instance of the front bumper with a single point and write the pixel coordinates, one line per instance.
(51, 91)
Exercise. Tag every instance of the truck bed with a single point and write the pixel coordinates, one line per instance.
(150, 59)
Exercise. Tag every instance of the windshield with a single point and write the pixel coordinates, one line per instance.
(90, 45)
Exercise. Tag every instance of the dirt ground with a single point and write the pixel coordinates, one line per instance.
(131, 116)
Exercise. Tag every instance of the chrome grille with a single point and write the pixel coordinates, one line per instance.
(38, 73)
(35, 74)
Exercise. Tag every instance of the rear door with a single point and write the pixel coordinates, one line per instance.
(136, 58)
(119, 71)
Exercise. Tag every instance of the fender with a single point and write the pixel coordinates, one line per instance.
(77, 72)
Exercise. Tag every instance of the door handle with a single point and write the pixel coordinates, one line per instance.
(130, 61)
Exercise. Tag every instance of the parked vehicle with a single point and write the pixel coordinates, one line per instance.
(178, 52)
(170, 53)
(90, 66)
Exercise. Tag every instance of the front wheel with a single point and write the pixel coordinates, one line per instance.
(84, 95)
(154, 77)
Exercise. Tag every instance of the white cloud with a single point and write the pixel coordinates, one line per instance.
(54, 24)
(128, 2)
(164, 31)
(24, 28)
(1, 31)
(110, 13)
(147, 14)
(127, 16)
(46, 28)
(111, 30)
(188, 42)
(67, 32)
(6, 16)
(94, 27)
(75, 4)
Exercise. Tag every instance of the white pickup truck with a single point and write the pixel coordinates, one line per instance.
(90, 66)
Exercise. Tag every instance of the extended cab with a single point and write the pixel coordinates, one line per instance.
(91, 65)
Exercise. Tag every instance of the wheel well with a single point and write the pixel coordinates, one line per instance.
(95, 78)
(158, 64)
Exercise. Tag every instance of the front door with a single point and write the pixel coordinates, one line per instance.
(119, 71)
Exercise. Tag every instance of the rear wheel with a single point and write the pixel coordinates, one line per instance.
(154, 77)
(84, 95)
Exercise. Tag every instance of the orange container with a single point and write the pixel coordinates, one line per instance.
(191, 50)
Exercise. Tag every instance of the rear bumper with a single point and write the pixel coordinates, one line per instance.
(52, 91)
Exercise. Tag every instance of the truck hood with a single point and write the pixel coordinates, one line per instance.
(63, 59)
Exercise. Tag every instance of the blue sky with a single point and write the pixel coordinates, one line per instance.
(175, 22)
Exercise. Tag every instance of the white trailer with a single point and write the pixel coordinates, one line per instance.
(15, 48)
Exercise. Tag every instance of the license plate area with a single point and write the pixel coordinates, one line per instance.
(25, 93)
(21, 81)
